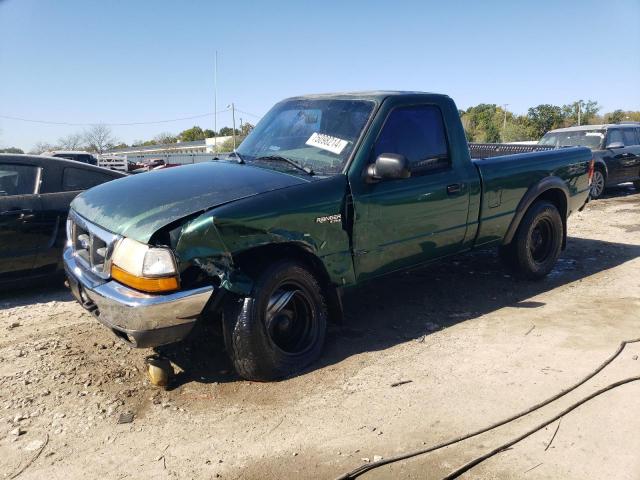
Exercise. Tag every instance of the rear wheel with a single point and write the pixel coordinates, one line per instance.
(280, 328)
(597, 183)
(537, 244)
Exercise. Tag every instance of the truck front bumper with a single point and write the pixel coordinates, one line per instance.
(140, 319)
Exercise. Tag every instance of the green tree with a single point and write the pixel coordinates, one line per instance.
(616, 116)
(544, 118)
(226, 131)
(208, 133)
(482, 123)
(11, 150)
(246, 129)
(227, 146)
(585, 111)
(192, 134)
(517, 130)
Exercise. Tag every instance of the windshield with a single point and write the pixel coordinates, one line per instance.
(316, 134)
(574, 138)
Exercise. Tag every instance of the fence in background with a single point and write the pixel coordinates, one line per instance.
(179, 158)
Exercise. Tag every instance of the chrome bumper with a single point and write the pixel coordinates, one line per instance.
(141, 319)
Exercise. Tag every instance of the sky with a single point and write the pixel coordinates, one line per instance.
(122, 61)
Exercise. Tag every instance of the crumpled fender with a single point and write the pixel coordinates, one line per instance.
(200, 244)
(308, 216)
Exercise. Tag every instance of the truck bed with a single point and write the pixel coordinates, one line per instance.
(505, 179)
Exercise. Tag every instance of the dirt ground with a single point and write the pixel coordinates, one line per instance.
(476, 344)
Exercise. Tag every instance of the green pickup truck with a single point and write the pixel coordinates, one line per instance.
(328, 191)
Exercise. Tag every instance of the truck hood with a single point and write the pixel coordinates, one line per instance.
(139, 205)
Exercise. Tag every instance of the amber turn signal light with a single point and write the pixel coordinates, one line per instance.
(144, 284)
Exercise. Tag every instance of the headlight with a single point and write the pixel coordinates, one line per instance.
(150, 269)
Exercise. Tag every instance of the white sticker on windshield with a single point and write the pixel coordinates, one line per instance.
(327, 142)
(594, 134)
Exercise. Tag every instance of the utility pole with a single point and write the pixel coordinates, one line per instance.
(215, 103)
(504, 107)
(579, 102)
(233, 116)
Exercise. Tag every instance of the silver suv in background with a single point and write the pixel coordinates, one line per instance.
(615, 147)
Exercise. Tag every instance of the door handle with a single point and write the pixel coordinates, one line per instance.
(18, 211)
(454, 189)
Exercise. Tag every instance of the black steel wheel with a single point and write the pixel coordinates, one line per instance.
(280, 328)
(291, 324)
(597, 183)
(538, 241)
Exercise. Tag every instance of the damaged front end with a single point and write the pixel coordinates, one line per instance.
(202, 256)
(227, 246)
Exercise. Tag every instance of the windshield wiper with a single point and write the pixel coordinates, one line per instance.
(293, 163)
(238, 156)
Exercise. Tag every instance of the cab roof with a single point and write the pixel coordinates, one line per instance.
(374, 95)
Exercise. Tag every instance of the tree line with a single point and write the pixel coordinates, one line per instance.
(491, 123)
(100, 138)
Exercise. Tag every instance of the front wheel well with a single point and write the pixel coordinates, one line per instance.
(602, 168)
(257, 259)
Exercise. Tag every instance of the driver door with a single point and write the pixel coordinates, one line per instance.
(404, 222)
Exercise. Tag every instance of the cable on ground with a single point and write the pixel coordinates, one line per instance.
(385, 461)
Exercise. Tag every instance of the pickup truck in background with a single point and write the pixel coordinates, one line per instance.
(615, 147)
(328, 191)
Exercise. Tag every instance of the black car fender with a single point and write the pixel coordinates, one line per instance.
(599, 162)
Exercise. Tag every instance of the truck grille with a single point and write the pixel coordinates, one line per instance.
(91, 245)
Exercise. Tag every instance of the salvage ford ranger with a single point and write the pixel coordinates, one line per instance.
(328, 191)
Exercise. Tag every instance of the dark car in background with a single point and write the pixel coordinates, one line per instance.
(35, 193)
(78, 156)
(615, 147)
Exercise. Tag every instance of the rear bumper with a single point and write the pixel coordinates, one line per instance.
(141, 319)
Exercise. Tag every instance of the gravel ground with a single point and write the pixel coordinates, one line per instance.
(476, 344)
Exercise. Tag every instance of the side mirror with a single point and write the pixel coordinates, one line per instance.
(388, 166)
(615, 145)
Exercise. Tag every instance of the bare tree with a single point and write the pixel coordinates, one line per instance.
(99, 138)
(42, 147)
(73, 141)
(164, 138)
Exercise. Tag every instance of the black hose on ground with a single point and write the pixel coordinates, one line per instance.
(468, 466)
(370, 466)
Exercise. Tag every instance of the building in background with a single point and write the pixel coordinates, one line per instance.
(180, 152)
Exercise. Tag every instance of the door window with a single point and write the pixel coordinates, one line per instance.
(18, 179)
(79, 179)
(417, 132)
(614, 136)
(629, 136)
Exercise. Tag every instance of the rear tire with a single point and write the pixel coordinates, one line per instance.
(279, 329)
(536, 246)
